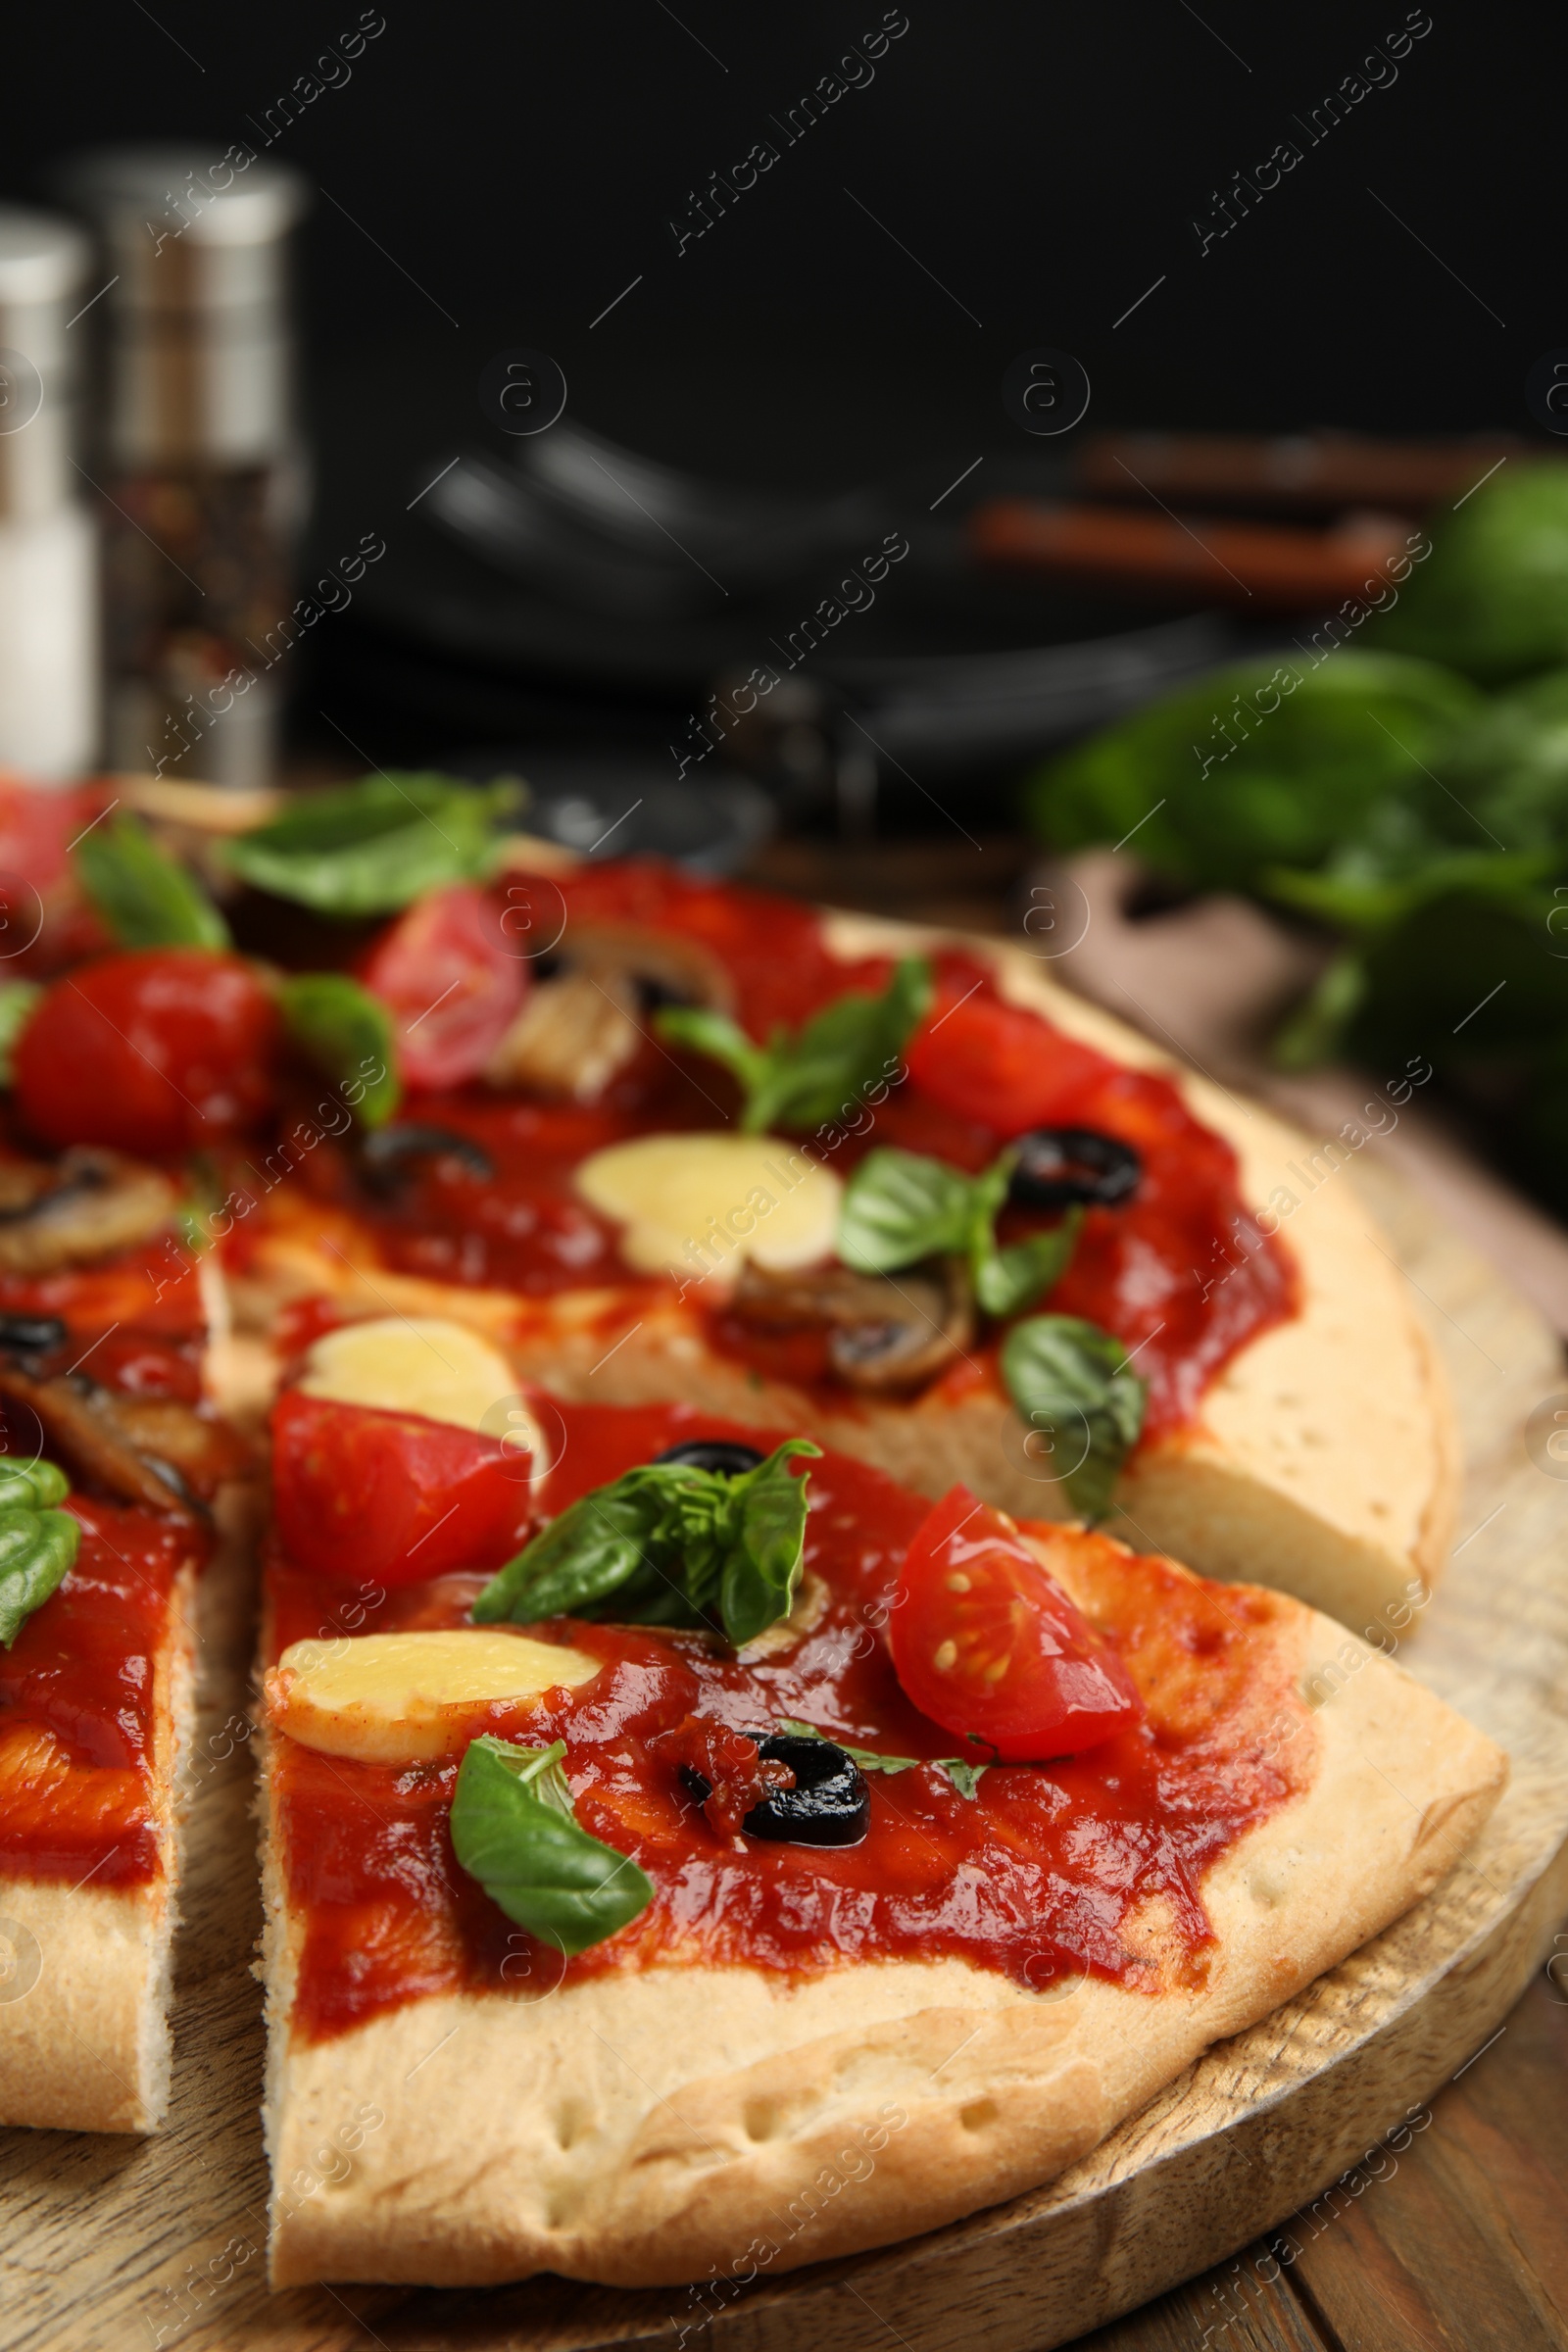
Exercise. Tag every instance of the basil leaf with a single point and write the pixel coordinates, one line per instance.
(1071, 1379)
(720, 1038)
(592, 1552)
(667, 1544)
(1005, 1280)
(902, 1206)
(347, 1034)
(17, 1001)
(810, 1078)
(763, 1566)
(965, 1777)
(1312, 1032)
(513, 1830)
(899, 1207)
(37, 1548)
(374, 846)
(1260, 764)
(32, 1486)
(143, 898)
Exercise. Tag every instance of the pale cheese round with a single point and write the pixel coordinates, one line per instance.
(406, 1698)
(696, 1205)
(420, 1364)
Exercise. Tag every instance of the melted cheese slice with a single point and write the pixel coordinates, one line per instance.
(395, 1698)
(421, 1364)
(698, 1205)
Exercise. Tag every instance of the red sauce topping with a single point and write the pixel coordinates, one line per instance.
(77, 1700)
(153, 1290)
(1091, 1865)
(1181, 1273)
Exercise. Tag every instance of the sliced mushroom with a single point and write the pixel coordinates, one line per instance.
(87, 1426)
(582, 1025)
(172, 1436)
(572, 1038)
(885, 1334)
(668, 966)
(87, 1204)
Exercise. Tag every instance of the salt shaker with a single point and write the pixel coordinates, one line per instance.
(49, 709)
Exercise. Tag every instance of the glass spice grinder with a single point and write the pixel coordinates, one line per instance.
(197, 463)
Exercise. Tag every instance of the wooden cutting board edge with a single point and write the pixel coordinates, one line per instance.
(112, 2244)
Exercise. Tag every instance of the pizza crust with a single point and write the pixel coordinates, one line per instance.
(84, 2041)
(644, 2128)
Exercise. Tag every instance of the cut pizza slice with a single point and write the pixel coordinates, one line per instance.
(662, 1820)
(902, 1191)
(118, 1483)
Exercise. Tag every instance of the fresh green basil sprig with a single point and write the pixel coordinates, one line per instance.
(37, 1543)
(17, 1001)
(346, 1033)
(809, 1078)
(143, 898)
(514, 1829)
(1072, 1380)
(666, 1544)
(964, 1775)
(374, 846)
(901, 1205)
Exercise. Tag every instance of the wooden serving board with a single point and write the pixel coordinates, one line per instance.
(118, 2244)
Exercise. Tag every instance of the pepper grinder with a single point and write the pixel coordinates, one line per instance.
(48, 543)
(202, 473)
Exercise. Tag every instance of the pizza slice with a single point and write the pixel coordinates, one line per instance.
(118, 1483)
(691, 1851)
(897, 1190)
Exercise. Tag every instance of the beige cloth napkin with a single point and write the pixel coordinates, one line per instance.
(1210, 980)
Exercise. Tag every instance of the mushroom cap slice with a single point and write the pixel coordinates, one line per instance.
(887, 1333)
(87, 1204)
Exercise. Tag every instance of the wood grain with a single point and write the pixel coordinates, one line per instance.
(108, 2243)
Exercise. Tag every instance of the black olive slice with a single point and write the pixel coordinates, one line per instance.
(30, 1335)
(385, 1155)
(827, 1805)
(1057, 1166)
(723, 1456)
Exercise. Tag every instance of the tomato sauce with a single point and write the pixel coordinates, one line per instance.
(78, 1687)
(1181, 1274)
(1048, 1873)
(78, 1706)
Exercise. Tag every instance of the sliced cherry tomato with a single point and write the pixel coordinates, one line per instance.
(392, 1497)
(156, 1050)
(1000, 1063)
(452, 983)
(985, 1641)
(45, 919)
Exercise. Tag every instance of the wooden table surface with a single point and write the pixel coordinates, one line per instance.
(1457, 2242)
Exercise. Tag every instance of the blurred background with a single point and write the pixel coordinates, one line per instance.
(911, 458)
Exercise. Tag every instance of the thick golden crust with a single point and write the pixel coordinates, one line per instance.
(1326, 1460)
(84, 1997)
(642, 2129)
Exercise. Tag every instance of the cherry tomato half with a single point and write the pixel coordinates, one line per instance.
(985, 1641)
(1000, 1063)
(392, 1497)
(452, 984)
(155, 1049)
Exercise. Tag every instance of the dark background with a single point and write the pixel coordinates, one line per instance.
(521, 164)
(495, 176)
